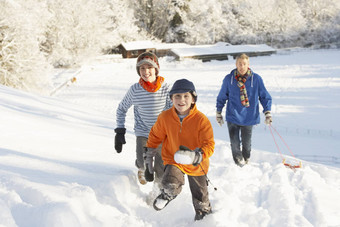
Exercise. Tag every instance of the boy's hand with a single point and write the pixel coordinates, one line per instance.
(119, 139)
(186, 156)
(219, 118)
(268, 120)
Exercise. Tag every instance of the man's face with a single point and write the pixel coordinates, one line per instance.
(242, 66)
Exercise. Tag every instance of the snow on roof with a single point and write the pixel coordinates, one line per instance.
(185, 50)
(165, 46)
(138, 45)
(220, 48)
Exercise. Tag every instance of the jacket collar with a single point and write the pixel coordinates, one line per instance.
(192, 111)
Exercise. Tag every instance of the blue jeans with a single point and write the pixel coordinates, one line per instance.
(238, 135)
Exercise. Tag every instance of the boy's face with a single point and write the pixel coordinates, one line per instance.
(147, 72)
(242, 66)
(182, 102)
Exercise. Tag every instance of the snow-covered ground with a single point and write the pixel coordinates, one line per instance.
(58, 166)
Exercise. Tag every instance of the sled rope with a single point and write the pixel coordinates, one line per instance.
(206, 176)
(270, 128)
(293, 167)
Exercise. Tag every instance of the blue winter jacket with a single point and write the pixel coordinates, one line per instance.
(236, 113)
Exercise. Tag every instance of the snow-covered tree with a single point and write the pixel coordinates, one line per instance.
(155, 16)
(37, 34)
(287, 23)
(123, 23)
(80, 29)
(22, 65)
(206, 21)
(322, 21)
(76, 30)
(276, 22)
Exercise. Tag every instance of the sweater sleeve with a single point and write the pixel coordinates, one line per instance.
(123, 107)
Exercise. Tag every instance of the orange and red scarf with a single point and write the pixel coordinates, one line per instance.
(152, 87)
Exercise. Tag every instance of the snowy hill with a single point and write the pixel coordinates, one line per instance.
(58, 166)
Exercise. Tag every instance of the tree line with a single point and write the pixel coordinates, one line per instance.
(37, 35)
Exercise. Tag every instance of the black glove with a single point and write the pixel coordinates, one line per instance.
(119, 139)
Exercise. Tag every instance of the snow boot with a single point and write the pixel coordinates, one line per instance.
(240, 161)
(141, 177)
(201, 214)
(162, 201)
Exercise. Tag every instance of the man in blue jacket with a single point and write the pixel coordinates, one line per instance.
(242, 90)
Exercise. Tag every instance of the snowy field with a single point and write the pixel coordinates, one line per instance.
(58, 166)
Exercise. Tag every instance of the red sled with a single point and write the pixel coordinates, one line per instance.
(291, 166)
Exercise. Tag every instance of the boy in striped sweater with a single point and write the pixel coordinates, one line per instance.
(150, 96)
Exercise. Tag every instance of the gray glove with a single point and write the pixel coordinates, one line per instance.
(186, 156)
(268, 120)
(149, 155)
(219, 118)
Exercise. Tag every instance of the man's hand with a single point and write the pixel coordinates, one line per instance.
(268, 120)
(219, 118)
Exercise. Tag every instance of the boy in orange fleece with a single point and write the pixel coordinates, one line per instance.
(187, 142)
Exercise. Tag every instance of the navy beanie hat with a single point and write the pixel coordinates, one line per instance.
(183, 86)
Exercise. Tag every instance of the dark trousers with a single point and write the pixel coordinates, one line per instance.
(173, 180)
(240, 135)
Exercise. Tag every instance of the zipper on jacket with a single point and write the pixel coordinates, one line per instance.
(181, 121)
(180, 128)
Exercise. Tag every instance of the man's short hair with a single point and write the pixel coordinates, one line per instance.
(242, 56)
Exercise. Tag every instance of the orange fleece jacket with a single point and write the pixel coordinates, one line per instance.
(195, 131)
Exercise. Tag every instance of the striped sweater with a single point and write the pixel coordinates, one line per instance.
(147, 107)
